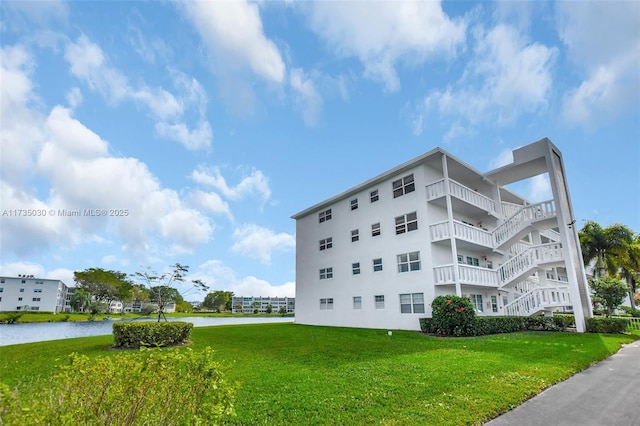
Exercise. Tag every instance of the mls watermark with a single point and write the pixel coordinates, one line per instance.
(65, 212)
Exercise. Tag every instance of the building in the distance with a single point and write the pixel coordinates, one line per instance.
(28, 293)
(247, 305)
(376, 255)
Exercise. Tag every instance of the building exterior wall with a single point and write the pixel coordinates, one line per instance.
(459, 239)
(28, 293)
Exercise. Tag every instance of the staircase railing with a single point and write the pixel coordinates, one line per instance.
(523, 218)
(539, 299)
(528, 260)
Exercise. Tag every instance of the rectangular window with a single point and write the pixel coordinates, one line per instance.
(406, 223)
(379, 301)
(403, 186)
(377, 265)
(35, 299)
(474, 261)
(354, 204)
(355, 268)
(409, 261)
(373, 196)
(19, 299)
(1, 289)
(24, 281)
(355, 235)
(357, 302)
(494, 304)
(489, 264)
(37, 290)
(326, 244)
(460, 259)
(326, 273)
(476, 299)
(22, 290)
(375, 229)
(324, 216)
(412, 303)
(35, 308)
(326, 304)
(39, 282)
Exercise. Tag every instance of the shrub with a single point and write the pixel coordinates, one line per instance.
(452, 315)
(139, 334)
(634, 312)
(426, 325)
(544, 323)
(607, 325)
(495, 325)
(568, 319)
(150, 387)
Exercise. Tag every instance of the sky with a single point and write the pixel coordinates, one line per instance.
(201, 127)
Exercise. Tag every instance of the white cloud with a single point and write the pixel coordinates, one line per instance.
(211, 202)
(252, 286)
(540, 188)
(256, 184)
(260, 243)
(74, 97)
(383, 34)
(307, 96)
(192, 139)
(503, 159)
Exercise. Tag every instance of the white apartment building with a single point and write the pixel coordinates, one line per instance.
(28, 293)
(247, 305)
(376, 255)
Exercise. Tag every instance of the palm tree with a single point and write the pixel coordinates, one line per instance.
(80, 300)
(606, 247)
(630, 267)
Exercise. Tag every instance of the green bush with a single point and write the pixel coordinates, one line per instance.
(634, 312)
(544, 323)
(568, 319)
(496, 325)
(426, 325)
(607, 325)
(155, 334)
(479, 326)
(452, 315)
(149, 387)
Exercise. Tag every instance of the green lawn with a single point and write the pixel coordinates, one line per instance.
(293, 374)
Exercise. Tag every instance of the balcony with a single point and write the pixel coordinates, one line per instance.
(460, 192)
(469, 275)
(461, 231)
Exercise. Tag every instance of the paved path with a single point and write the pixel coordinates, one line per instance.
(607, 394)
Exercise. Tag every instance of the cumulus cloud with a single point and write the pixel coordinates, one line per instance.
(255, 184)
(307, 97)
(260, 243)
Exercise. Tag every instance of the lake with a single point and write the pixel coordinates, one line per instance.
(12, 334)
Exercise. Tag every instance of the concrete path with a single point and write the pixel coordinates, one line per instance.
(607, 394)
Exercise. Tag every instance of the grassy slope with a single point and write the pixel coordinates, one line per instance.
(293, 374)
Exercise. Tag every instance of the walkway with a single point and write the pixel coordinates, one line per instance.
(605, 394)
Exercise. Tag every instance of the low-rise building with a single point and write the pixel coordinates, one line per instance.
(28, 293)
(247, 305)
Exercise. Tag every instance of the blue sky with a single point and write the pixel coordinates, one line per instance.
(211, 123)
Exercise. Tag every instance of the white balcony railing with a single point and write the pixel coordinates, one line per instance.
(529, 259)
(523, 218)
(437, 189)
(509, 209)
(467, 274)
(440, 231)
(539, 299)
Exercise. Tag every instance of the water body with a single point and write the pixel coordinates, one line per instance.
(12, 334)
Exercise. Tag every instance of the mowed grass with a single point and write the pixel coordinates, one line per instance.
(294, 374)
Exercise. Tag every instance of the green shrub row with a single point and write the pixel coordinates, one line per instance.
(150, 334)
(480, 326)
(607, 325)
(146, 387)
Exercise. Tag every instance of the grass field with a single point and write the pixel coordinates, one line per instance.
(294, 374)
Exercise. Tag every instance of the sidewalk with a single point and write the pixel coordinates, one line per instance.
(607, 394)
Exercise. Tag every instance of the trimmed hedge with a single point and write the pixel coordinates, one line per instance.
(607, 325)
(129, 335)
(480, 326)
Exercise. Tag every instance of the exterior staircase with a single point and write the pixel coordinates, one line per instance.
(539, 300)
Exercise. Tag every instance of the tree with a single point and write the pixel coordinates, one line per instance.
(217, 301)
(630, 268)
(80, 300)
(269, 308)
(607, 247)
(256, 306)
(104, 286)
(282, 311)
(609, 292)
(161, 286)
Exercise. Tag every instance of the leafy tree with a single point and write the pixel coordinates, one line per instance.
(104, 286)
(269, 308)
(161, 286)
(184, 307)
(630, 268)
(256, 306)
(282, 311)
(80, 300)
(217, 301)
(607, 247)
(609, 292)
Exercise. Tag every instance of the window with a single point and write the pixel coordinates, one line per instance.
(326, 244)
(35, 308)
(36, 299)
(326, 273)
(476, 299)
(355, 268)
(403, 186)
(1, 289)
(409, 262)
(37, 290)
(375, 229)
(39, 282)
(326, 304)
(19, 299)
(22, 290)
(2, 281)
(379, 301)
(473, 261)
(489, 264)
(406, 223)
(494, 304)
(357, 302)
(412, 303)
(460, 258)
(355, 235)
(24, 281)
(373, 196)
(324, 216)
(354, 204)
(377, 265)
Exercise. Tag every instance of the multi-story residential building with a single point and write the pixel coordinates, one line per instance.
(247, 305)
(28, 293)
(376, 255)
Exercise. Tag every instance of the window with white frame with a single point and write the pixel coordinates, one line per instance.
(403, 186)
(379, 301)
(373, 196)
(326, 304)
(355, 235)
(19, 299)
(412, 303)
(473, 261)
(357, 302)
(324, 216)
(494, 304)
(476, 299)
(37, 290)
(35, 299)
(326, 243)
(460, 258)
(355, 268)
(409, 261)
(354, 204)
(375, 229)
(406, 223)
(326, 273)
(22, 290)
(377, 265)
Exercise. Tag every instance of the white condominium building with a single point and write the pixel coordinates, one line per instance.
(376, 255)
(28, 293)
